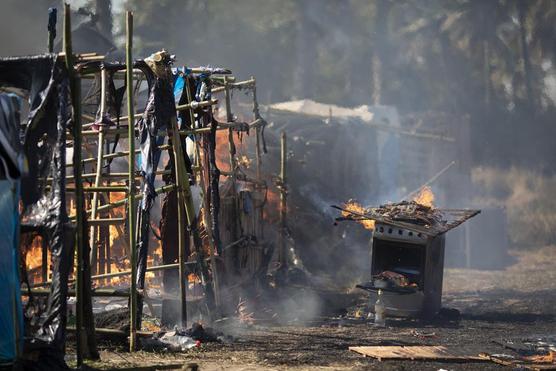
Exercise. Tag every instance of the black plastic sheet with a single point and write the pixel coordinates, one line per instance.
(44, 144)
(159, 111)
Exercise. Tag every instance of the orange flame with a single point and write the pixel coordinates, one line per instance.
(33, 258)
(359, 209)
(425, 197)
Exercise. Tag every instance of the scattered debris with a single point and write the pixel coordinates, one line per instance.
(179, 340)
(423, 335)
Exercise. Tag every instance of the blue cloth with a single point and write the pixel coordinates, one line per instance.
(11, 168)
(11, 318)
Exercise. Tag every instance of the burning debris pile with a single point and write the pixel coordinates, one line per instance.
(407, 253)
(418, 215)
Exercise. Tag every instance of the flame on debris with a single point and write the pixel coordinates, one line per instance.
(425, 197)
(359, 209)
(119, 262)
(33, 258)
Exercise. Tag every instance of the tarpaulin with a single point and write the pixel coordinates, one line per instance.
(11, 168)
(43, 138)
(159, 111)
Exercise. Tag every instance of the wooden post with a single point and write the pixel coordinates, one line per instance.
(208, 224)
(94, 238)
(283, 201)
(84, 313)
(52, 18)
(257, 116)
(229, 119)
(131, 181)
(182, 183)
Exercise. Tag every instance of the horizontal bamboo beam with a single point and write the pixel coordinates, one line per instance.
(105, 189)
(84, 57)
(116, 155)
(241, 84)
(108, 131)
(183, 107)
(122, 202)
(195, 105)
(115, 176)
(220, 79)
(113, 331)
(107, 221)
(119, 274)
(119, 75)
(96, 292)
(128, 272)
(223, 126)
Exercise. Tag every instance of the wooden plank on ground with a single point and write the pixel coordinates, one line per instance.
(415, 352)
(517, 363)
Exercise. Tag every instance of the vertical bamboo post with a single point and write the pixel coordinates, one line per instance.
(131, 181)
(181, 183)
(258, 130)
(199, 167)
(257, 115)
(79, 240)
(229, 119)
(283, 200)
(94, 240)
(52, 18)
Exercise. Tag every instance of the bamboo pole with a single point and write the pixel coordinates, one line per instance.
(131, 180)
(183, 107)
(52, 15)
(115, 155)
(117, 189)
(242, 84)
(113, 205)
(256, 113)
(208, 224)
(98, 174)
(182, 183)
(109, 221)
(283, 200)
(77, 172)
(113, 176)
(113, 331)
(258, 132)
(194, 105)
(123, 273)
(96, 292)
(230, 118)
(123, 131)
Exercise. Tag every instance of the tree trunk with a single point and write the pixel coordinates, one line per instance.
(522, 12)
(103, 10)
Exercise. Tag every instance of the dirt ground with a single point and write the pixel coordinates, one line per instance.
(516, 302)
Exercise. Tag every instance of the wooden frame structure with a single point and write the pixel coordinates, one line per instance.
(89, 221)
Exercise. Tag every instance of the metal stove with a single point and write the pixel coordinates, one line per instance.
(417, 256)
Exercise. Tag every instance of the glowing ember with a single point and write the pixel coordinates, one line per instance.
(425, 197)
(359, 209)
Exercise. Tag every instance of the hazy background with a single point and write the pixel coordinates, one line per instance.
(491, 60)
